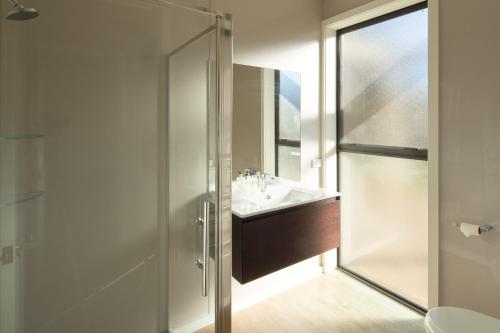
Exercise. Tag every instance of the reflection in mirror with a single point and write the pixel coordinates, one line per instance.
(266, 121)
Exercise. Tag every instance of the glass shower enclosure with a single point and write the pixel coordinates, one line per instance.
(199, 182)
(115, 167)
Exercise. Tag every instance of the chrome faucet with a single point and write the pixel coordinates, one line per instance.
(256, 177)
(263, 177)
(249, 173)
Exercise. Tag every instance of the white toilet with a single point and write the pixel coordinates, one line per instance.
(456, 320)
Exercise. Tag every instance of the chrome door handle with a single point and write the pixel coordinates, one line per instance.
(203, 263)
(206, 220)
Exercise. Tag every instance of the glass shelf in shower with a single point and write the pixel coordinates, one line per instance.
(21, 198)
(21, 137)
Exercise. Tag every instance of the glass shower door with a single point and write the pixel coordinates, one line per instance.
(83, 168)
(199, 187)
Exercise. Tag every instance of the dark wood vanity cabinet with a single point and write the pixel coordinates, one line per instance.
(271, 241)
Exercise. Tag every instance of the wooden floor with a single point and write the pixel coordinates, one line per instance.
(333, 303)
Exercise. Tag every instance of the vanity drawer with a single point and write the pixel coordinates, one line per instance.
(269, 242)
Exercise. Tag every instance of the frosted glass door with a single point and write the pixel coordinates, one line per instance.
(382, 121)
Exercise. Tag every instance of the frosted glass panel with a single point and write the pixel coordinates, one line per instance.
(383, 98)
(289, 162)
(384, 222)
(192, 164)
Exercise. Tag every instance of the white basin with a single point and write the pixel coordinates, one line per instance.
(295, 195)
(249, 200)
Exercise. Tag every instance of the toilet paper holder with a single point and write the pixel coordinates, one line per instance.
(484, 228)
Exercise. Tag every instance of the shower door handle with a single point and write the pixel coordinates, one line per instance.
(203, 263)
(206, 222)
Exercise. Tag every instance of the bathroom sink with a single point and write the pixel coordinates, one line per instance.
(295, 195)
(279, 194)
(275, 238)
(280, 224)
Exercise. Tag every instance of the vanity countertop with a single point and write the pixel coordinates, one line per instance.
(249, 200)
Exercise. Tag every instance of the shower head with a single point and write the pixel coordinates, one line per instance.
(21, 13)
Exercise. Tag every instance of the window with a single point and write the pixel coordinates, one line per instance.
(383, 85)
(382, 93)
(287, 124)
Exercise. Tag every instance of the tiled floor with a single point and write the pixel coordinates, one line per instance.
(334, 303)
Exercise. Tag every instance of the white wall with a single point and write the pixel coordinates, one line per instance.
(282, 34)
(469, 152)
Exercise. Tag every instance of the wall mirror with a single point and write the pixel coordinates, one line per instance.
(266, 121)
